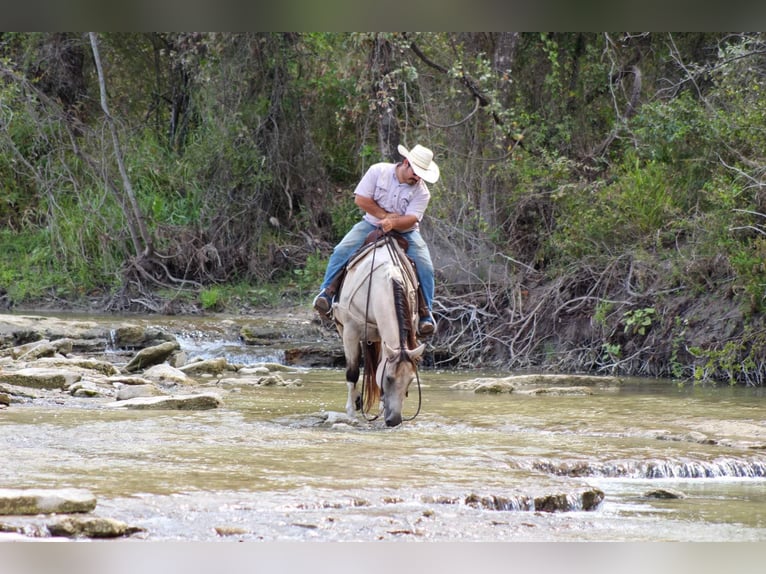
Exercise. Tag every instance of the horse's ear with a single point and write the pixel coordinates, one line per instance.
(391, 354)
(415, 353)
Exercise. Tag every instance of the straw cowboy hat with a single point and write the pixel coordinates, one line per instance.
(422, 161)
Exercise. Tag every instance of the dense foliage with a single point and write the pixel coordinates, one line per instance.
(601, 206)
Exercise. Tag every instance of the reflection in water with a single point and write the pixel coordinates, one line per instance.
(284, 464)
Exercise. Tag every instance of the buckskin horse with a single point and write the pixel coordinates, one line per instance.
(376, 312)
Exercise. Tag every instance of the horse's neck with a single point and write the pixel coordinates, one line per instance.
(368, 295)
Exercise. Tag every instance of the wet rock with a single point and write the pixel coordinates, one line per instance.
(44, 501)
(591, 499)
(128, 336)
(91, 527)
(536, 381)
(131, 336)
(558, 502)
(39, 349)
(587, 500)
(205, 367)
(260, 334)
(178, 359)
(94, 345)
(553, 503)
(230, 531)
(329, 419)
(315, 356)
(263, 368)
(490, 387)
(19, 394)
(151, 356)
(167, 375)
(691, 436)
(557, 391)
(269, 380)
(127, 392)
(9, 528)
(5, 400)
(88, 389)
(428, 499)
(257, 371)
(32, 351)
(40, 378)
(519, 502)
(664, 493)
(20, 329)
(196, 402)
(128, 380)
(75, 363)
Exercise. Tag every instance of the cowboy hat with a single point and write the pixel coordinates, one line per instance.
(422, 161)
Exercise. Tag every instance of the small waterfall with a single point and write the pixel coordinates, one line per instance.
(724, 467)
(111, 341)
(233, 351)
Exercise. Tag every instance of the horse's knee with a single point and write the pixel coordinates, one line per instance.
(352, 374)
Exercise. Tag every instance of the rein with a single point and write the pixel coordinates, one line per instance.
(387, 238)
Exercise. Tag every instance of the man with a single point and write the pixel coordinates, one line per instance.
(393, 196)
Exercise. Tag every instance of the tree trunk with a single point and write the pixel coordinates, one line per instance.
(384, 98)
(142, 242)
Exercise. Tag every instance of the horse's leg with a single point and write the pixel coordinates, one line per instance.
(353, 355)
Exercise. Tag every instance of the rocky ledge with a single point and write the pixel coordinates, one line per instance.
(61, 512)
(125, 365)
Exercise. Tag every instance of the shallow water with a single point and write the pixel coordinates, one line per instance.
(268, 465)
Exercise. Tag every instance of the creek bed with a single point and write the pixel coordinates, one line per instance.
(268, 465)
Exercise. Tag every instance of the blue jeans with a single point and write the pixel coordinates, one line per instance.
(417, 250)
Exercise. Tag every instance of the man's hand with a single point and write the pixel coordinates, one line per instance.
(389, 222)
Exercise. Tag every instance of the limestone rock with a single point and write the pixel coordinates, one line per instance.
(91, 527)
(45, 501)
(103, 367)
(151, 356)
(168, 375)
(209, 367)
(127, 392)
(40, 378)
(196, 402)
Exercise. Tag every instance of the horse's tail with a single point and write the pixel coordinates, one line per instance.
(371, 389)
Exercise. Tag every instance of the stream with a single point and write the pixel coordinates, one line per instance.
(284, 464)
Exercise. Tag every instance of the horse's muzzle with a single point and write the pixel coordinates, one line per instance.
(393, 419)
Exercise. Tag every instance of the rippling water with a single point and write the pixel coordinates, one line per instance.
(283, 463)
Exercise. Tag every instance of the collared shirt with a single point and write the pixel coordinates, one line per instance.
(381, 184)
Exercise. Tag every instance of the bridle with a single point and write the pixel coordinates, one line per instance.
(386, 237)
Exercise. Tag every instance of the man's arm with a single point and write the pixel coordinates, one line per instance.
(388, 221)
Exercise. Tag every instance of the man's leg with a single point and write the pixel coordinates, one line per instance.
(419, 253)
(340, 256)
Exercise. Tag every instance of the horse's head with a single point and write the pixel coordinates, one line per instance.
(395, 375)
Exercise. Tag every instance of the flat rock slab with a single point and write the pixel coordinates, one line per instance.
(40, 378)
(91, 527)
(45, 501)
(578, 384)
(197, 402)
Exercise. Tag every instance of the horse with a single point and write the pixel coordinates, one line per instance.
(376, 310)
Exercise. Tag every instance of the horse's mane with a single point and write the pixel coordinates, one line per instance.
(372, 350)
(403, 313)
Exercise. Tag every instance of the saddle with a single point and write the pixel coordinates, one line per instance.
(378, 233)
(333, 290)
